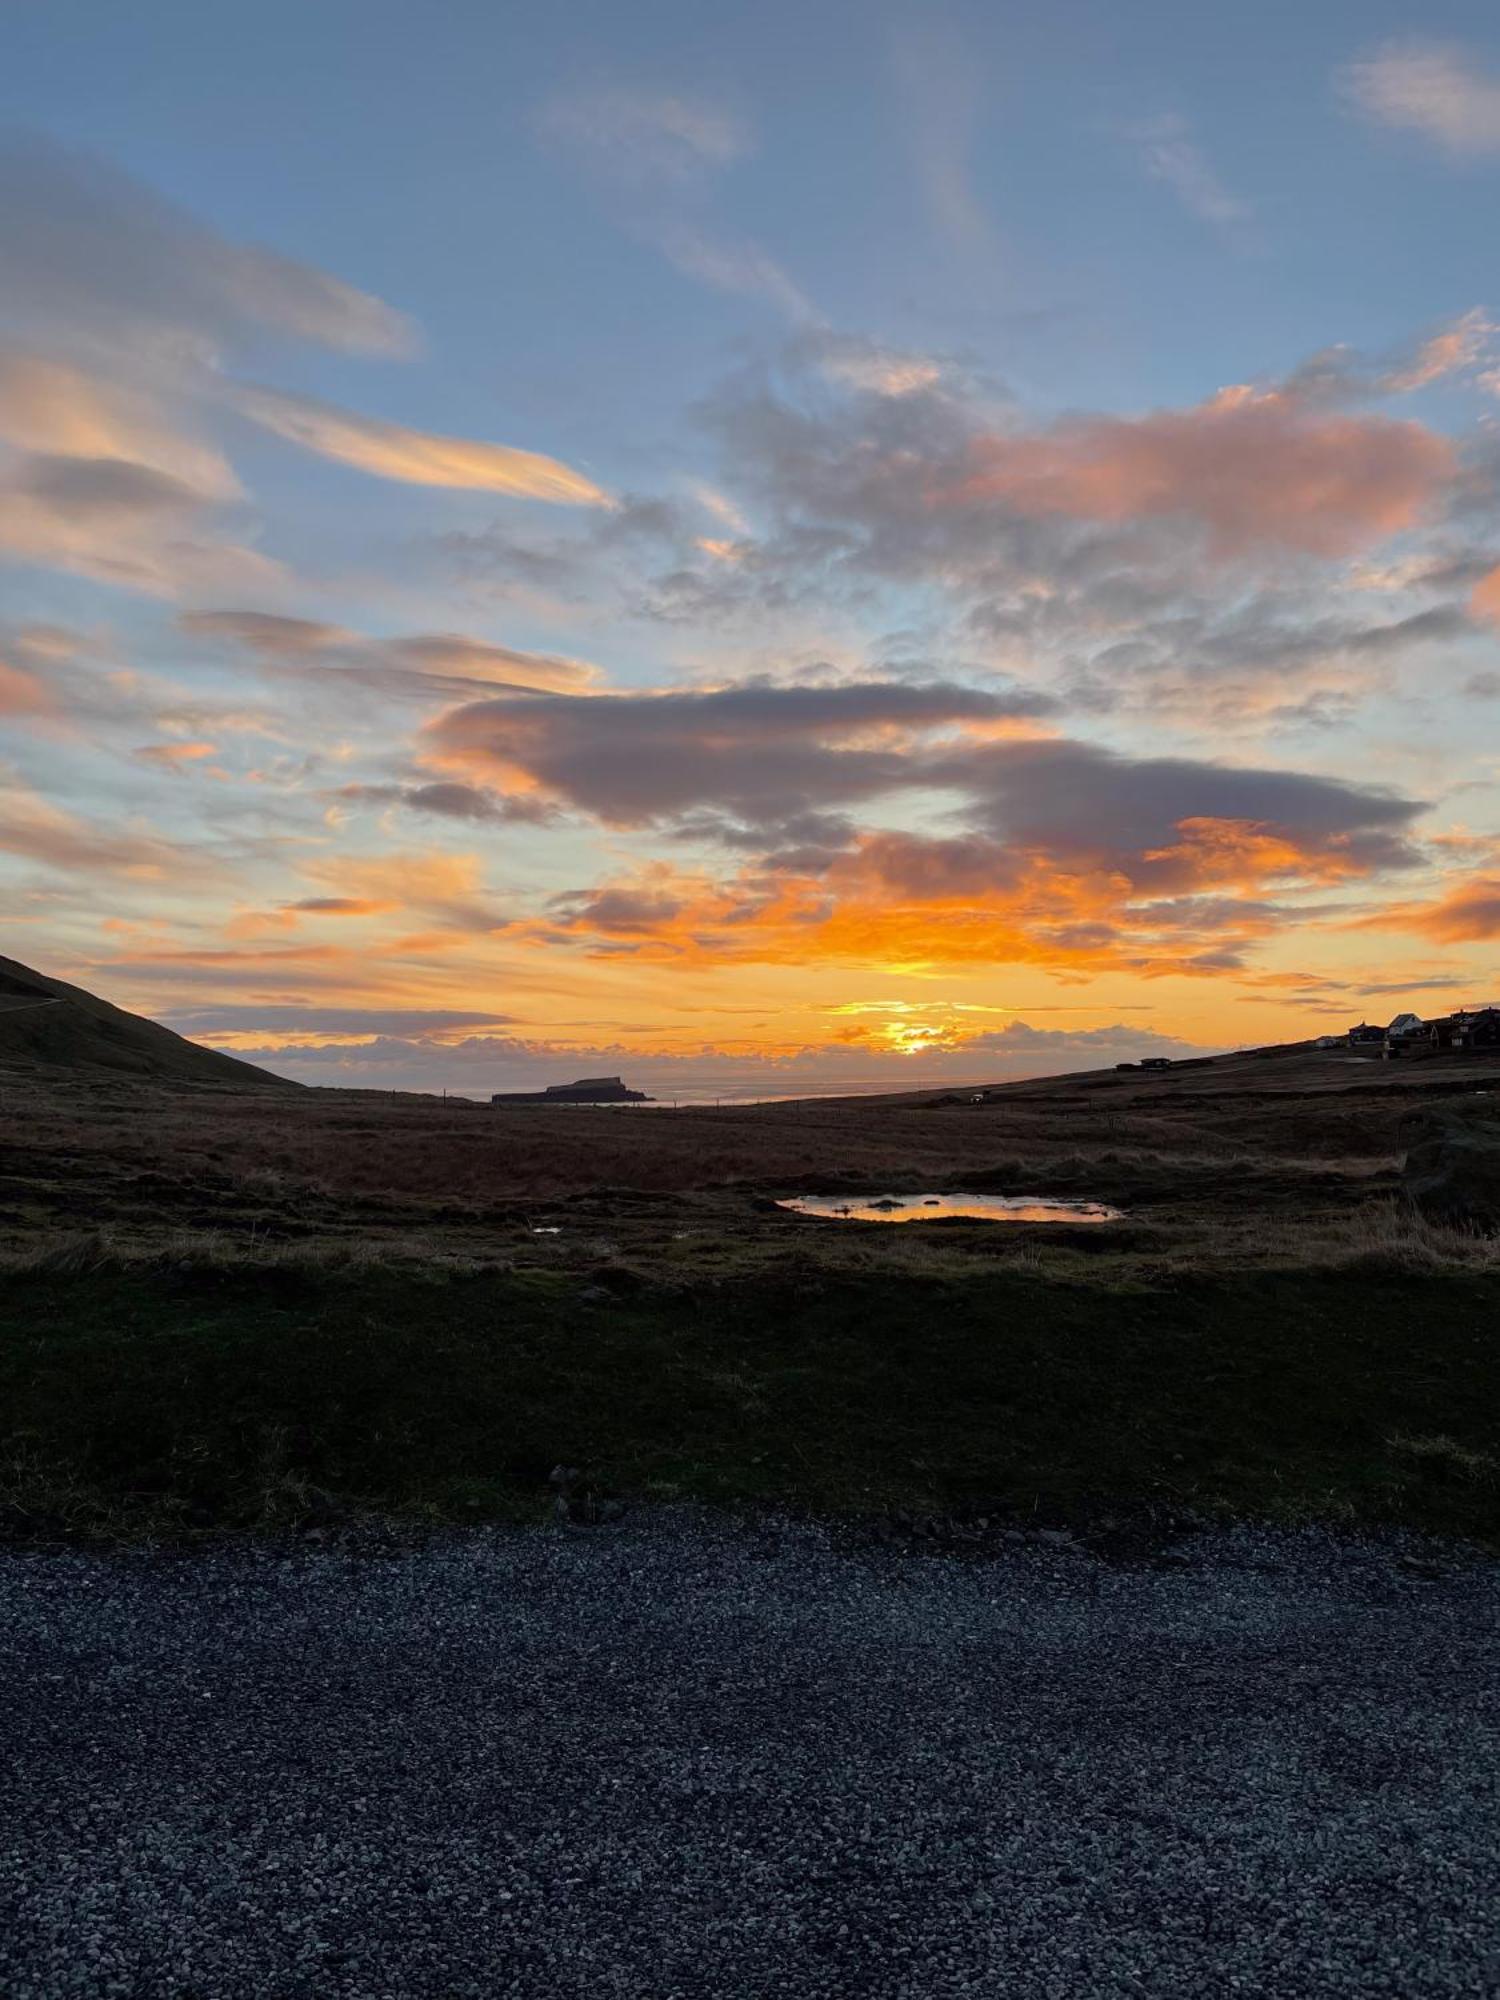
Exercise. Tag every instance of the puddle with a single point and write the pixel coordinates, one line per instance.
(546, 1229)
(934, 1207)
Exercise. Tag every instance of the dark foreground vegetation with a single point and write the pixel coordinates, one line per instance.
(232, 1308)
(177, 1399)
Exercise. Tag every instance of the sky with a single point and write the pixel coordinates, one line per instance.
(762, 548)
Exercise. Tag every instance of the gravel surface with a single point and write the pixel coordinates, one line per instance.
(689, 1758)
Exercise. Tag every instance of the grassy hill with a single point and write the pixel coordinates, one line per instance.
(46, 1021)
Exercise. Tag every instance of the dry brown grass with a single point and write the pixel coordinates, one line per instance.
(1248, 1163)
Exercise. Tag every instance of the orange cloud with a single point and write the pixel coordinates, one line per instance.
(1255, 469)
(419, 458)
(902, 901)
(1484, 600)
(1244, 854)
(22, 693)
(48, 407)
(175, 757)
(103, 483)
(42, 833)
(1465, 915)
(1465, 344)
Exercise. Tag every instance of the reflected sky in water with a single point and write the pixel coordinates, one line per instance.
(934, 1207)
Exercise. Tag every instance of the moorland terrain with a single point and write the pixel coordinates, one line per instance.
(241, 1304)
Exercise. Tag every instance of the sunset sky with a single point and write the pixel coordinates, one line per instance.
(776, 547)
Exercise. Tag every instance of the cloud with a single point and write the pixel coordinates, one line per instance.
(103, 481)
(447, 799)
(1192, 561)
(419, 458)
(1115, 1040)
(86, 248)
(1431, 88)
(1170, 823)
(1450, 351)
(1484, 599)
(653, 157)
(1467, 914)
(755, 751)
(442, 888)
(1046, 850)
(23, 693)
(423, 663)
(867, 366)
(941, 89)
(1253, 469)
(38, 831)
(339, 906)
(1169, 155)
(122, 321)
(646, 138)
(62, 412)
(733, 264)
(236, 1018)
(124, 524)
(266, 632)
(176, 757)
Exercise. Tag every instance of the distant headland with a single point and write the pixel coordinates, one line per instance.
(587, 1090)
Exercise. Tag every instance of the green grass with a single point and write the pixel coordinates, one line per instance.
(153, 1400)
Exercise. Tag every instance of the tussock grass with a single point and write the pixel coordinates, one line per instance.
(233, 1312)
(142, 1401)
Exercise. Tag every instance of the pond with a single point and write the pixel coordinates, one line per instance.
(936, 1207)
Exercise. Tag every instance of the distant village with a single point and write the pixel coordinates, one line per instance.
(1470, 1028)
(1474, 1030)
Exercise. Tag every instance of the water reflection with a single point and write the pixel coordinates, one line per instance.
(934, 1207)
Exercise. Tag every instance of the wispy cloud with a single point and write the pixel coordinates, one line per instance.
(647, 138)
(1436, 89)
(1465, 345)
(941, 90)
(87, 248)
(1170, 155)
(451, 663)
(655, 159)
(419, 458)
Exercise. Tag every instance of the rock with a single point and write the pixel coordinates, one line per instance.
(1452, 1170)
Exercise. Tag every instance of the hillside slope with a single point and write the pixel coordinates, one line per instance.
(46, 1021)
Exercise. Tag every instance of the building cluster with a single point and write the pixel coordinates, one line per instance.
(1475, 1029)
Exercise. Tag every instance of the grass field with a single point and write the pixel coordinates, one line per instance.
(223, 1311)
(196, 1398)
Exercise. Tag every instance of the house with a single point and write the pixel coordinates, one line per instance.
(1468, 1028)
(1366, 1037)
(1407, 1032)
(1156, 1062)
(1477, 1028)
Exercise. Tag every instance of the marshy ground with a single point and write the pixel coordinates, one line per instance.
(232, 1309)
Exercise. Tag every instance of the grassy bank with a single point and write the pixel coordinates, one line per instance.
(153, 1400)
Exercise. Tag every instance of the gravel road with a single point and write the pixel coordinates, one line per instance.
(688, 1758)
